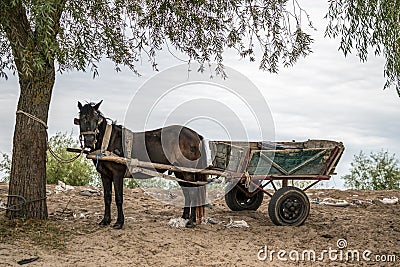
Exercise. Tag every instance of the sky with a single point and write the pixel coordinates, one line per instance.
(323, 96)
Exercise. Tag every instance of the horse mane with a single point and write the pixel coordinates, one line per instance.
(113, 122)
(90, 105)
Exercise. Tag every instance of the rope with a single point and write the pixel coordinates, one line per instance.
(20, 205)
(97, 158)
(52, 152)
(248, 180)
(33, 118)
(63, 160)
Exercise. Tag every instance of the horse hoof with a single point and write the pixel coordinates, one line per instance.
(118, 225)
(190, 224)
(104, 222)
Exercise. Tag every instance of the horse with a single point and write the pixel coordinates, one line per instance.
(172, 145)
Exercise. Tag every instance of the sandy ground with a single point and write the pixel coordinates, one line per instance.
(369, 227)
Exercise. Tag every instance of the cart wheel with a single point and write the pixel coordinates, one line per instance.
(237, 200)
(289, 206)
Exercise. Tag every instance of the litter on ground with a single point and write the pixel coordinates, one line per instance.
(389, 201)
(237, 224)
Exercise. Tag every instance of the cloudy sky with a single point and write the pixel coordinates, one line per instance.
(324, 96)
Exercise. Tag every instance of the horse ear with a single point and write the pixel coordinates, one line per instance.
(96, 107)
(79, 105)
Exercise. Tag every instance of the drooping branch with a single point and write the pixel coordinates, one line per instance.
(15, 24)
(368, 26)
(80, 33)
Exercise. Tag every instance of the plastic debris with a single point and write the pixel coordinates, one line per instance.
(178, 222)
(315, 200)
(211, 220)
(334, 202)
(90, 192)
(357, 201)
(237, 224)
(171, 195)
(62, 187)
(26, 261)
(389, 201)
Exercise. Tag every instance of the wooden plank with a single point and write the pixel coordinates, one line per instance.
(291, 177)
(150, 165)
(166, 176)
(274, 164)
(307, 161)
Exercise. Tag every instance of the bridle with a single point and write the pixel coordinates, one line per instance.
(95, 132)
(82, 136)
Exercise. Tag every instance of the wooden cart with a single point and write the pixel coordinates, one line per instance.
(251, 166)
(255, 165)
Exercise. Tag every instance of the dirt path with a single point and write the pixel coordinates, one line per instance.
(147, 240)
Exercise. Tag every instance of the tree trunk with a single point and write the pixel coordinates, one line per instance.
(27, 188)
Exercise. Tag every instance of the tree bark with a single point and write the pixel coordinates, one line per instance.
(28, 171)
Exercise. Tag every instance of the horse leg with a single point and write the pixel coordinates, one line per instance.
(107, 199)
(197, 204)
(192, 220)
(191, 200)
(201, 203)
(187, 215)
(189, 211)
(186, 208)
(198, 200)
(119, 196)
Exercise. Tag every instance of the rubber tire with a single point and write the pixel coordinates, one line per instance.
(279, 198)
(237, 201)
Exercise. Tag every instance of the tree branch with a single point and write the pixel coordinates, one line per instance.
(15, 23)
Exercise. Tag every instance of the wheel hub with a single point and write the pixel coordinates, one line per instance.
(291, 209)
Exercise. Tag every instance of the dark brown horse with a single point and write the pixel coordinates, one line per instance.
(176, 145)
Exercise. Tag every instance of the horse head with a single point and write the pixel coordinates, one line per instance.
(89, 121)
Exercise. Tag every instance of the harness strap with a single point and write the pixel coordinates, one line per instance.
(128, 138)
(106, 138)
(88, 132)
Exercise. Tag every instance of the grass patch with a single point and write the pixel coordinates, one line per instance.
(44, 233)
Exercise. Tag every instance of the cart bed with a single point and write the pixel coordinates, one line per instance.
(282, 159)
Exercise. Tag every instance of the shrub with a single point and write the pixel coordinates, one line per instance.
(379, 171)
(79, 172)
